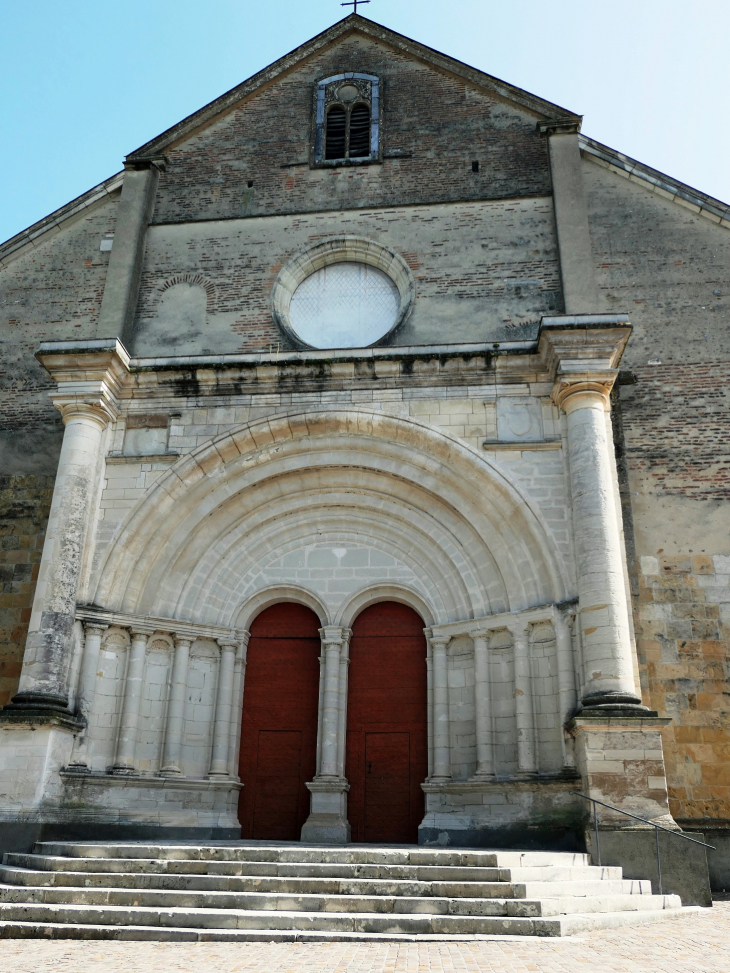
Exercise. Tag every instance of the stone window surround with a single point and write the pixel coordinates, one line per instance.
(318, 147)
(341, 249)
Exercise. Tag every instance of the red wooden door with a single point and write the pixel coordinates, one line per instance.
(279, 727)
(387, 748)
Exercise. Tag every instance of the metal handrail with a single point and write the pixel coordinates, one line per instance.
(657, 829)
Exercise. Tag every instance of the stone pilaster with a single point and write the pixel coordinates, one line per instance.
(577, 269)
(121, 291)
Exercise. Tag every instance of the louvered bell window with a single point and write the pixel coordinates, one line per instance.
(347, 119)
(348, 132)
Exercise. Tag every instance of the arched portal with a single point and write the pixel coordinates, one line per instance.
(387, 746)
(279, 723)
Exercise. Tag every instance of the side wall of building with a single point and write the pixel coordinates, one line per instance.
(669, 267)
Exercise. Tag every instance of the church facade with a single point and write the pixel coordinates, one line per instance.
(366, 475)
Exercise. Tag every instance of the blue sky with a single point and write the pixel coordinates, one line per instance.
(83, 83)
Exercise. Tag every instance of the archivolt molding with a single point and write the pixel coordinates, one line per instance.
(383, 592)
(258, 489)
(272, 595)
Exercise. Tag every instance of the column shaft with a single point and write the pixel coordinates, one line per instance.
(603, 611)
(331, 645)
(524, 717)
(566, 675)
(93, 634)
(130, 708)
(171, 759)
(483, 705)
(441, 744)
(222, 722)
(342, 722)
(239, 682)
(429, 701)
(49, 646)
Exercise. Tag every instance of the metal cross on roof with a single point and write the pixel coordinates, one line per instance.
(354, 3)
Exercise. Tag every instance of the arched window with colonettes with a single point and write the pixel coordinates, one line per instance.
(347, 113)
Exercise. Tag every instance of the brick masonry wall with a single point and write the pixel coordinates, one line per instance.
(483, 271)
(25, 502)
(683, 639)
(50, 291)
(443, 122)
(677, 426)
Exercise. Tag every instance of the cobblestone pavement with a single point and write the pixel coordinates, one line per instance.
(698, 944)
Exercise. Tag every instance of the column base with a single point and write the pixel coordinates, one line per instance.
(40, 708)
(327, 822)
(614, 704)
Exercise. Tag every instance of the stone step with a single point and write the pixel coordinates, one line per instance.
(442, 872)
(332, 886)
(90, 920)
(297, 852)
(335, 904)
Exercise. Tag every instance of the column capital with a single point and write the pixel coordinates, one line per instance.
(578, 388)
(331, 634)
(228, 643)
(94, 627)
(89, 375)
(479, 633)
(519, 626)
(180, 638)
(439, 639)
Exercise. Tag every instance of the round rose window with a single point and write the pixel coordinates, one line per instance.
(344, 305)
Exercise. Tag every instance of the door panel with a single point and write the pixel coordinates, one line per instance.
(387, 787)
(276, 791)
(279, 724)
(387, 750)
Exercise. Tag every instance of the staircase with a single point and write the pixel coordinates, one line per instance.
(231, 891)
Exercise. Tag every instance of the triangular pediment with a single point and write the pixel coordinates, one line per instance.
(352, 24)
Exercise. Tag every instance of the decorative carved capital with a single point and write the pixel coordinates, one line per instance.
(570, 385)
(334, 635)
(99, 411)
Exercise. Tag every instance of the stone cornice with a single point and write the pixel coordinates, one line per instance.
(151, 623)
(489, 623)
(596, 341)
(566, 125)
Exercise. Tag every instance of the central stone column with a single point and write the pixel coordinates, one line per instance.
(328, 818)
